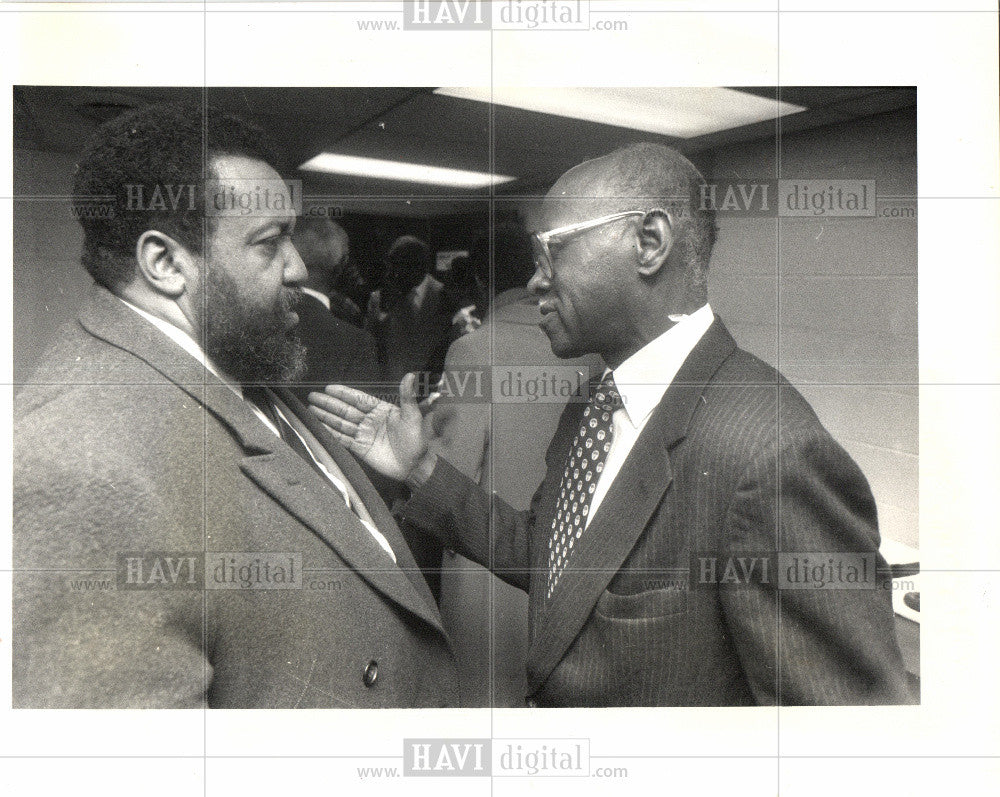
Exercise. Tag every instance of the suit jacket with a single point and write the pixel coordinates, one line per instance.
(337, 352)
(733, 462)
(124, 446)
(413, 338)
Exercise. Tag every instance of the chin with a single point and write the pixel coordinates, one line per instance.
(564, 349)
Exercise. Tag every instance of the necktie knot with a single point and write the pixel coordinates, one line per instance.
(606, 395)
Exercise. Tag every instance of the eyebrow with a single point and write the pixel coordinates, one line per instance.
(284, 226)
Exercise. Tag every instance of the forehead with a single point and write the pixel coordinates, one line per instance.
(249, 192)
(582, 193)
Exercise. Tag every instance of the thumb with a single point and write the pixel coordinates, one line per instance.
(408, 406)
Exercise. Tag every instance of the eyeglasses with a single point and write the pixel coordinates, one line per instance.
(540, 241)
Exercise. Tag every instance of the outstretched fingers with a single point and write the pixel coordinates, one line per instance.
(341, 418)
(358, 399)
(345, 440)
(334, 405)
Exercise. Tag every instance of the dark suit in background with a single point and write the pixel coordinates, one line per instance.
(337, 352)
(124, 443)
(734, 462)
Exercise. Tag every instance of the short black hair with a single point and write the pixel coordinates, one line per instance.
(409, 253)
(141, 157)
(408, 261)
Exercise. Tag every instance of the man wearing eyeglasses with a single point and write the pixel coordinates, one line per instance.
(663, 551)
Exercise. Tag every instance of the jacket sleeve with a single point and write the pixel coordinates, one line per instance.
(82, 638)
(477, 524)
(828, 640)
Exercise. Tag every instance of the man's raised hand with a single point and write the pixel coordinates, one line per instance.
(390, 439)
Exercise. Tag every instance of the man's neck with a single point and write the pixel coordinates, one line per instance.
(183, 338)
(162, 308)
(648, 328)
(647, 322)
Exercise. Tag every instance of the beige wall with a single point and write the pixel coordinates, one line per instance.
(833, 301)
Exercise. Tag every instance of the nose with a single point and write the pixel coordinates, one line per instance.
(295, 269)
(538, 283)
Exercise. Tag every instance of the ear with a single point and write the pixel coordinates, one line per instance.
(165, 265)
(654, 241)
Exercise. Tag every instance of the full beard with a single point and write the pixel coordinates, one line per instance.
(249, 343)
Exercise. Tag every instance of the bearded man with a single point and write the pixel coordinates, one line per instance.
(185, 535)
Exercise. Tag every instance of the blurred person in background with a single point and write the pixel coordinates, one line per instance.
(466, 293)
(336, 350)
(326, 251)
(407, 313)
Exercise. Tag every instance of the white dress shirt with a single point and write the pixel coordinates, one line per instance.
(641, 381)
(186, 342)
(418, 295)
(317, 295)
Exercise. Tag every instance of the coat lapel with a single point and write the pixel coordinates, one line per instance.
(416, 591)
(107, 317)
(268, 461)
(297, 487)
(623, 514)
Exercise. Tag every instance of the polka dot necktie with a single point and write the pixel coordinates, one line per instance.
(583, 469)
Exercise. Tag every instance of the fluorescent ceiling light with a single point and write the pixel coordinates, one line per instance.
(355, 166)
(678, 112)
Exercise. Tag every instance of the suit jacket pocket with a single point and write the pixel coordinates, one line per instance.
(642, 605)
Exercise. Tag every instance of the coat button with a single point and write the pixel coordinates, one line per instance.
(371, 673)
(531, 702)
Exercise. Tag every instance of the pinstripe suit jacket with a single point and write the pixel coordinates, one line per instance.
(732, 463)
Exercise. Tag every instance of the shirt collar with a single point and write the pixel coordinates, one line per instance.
(645, 376)
(419, 294)
(321, 296)
(186, 342)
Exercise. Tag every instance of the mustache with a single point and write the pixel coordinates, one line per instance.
(290, 298)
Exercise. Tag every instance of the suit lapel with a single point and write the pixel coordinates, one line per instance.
(108, 318)
(384, 521)
(623, 514)
(268, 461)
(298, 488)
